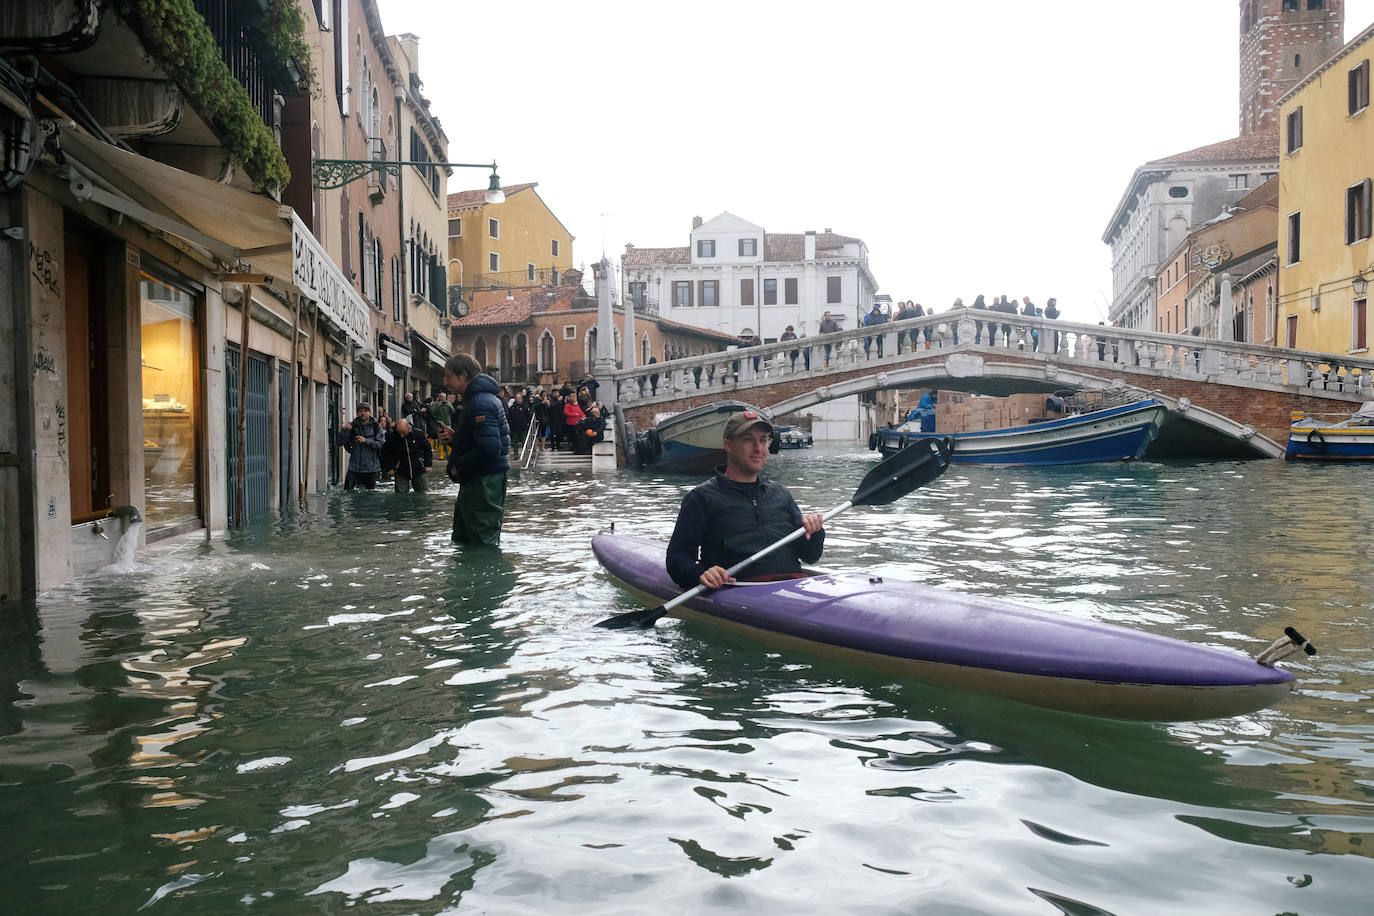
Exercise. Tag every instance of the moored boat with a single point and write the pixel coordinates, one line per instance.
(967, 641)
(1119, 433)
(687, 442)
(1351, 439)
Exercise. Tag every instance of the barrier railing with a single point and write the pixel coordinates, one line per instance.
(981, 331)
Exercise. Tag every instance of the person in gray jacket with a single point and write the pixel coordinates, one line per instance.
(363, 438)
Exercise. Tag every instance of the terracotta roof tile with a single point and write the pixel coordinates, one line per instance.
(468, 200)
(641, 257)
(1263, 145)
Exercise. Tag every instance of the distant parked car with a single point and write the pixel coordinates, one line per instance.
(794, 437)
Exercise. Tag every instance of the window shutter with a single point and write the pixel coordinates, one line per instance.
(1365, 209)
(438, 286)
(1351, 214)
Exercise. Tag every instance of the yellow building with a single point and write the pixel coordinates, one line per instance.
(1325, 168)
(515, 243)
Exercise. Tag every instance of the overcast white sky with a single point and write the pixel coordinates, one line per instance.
(974, 146)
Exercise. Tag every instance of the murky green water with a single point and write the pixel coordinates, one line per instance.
(346, 711)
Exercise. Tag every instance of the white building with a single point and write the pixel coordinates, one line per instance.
(734, 277)
(1168, 198)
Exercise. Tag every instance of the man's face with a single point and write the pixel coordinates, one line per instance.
(748, 451)
(364, 414)
(402, 428)
(455, 383)
(826, 316)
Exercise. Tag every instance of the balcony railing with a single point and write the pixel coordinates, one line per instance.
(646, 306)
(518, 279)
(245, 52)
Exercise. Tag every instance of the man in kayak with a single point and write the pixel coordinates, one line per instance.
(737, 513)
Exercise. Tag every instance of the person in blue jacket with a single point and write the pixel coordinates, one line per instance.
(481, 453)
(925, 411)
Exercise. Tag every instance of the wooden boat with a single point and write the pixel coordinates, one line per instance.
(1119, 433)
(967, 641)
(689, 442)
(1351, 439)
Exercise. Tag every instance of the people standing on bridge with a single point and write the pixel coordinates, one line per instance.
(1028, 308)
(874, 319)
(978, 303)
(1006, 307)
(1052, 313)
(481, 453)
(737, 513)
(904, 311)
(828, 325)
(790, 334)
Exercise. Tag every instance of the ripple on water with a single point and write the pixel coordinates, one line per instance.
(347, 709)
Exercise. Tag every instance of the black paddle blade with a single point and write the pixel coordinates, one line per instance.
(914, 466)
(641, 619)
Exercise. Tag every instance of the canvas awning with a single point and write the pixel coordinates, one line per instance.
(240, 229)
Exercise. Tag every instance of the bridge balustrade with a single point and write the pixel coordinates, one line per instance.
(985, 332)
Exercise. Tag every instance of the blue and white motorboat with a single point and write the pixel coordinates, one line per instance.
(1120, 433)
(1351, 439)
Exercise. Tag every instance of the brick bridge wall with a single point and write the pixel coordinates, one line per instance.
(1267, 411)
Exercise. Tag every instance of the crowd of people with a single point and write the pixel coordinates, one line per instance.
(474, 433)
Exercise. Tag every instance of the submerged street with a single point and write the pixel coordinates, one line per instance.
(344, 708)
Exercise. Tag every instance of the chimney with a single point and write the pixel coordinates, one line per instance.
(696, 223)
(827, 230)
(810, 245)
(410, 46)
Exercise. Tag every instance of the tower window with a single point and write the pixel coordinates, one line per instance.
(1290, 6)
(1297, 61)
(1314, 4)
(1178, 191)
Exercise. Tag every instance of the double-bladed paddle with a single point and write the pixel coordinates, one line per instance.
(914, 466)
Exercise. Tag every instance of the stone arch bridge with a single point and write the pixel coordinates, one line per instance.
(1225, 399)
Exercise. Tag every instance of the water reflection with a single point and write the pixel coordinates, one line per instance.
(339, 707)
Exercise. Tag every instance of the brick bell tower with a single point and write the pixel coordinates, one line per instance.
(1281, 41)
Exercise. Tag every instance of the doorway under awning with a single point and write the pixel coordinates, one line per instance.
(240, 229)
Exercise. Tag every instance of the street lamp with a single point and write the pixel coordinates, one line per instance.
(327, 174)
(1359, 284)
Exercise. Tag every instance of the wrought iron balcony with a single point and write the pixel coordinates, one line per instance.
(247, 55)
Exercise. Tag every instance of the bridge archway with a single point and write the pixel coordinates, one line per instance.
(1187, 421)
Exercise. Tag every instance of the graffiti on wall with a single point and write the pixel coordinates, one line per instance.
(43, 267)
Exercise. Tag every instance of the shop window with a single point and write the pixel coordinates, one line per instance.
(171, 403)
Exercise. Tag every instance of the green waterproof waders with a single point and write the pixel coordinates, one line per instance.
(479, 509)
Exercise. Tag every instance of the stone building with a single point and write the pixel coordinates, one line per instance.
(543, 335)
(190, 308)
(736, 278)
(1281, 41)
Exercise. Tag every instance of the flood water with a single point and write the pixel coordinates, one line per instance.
(342, 710)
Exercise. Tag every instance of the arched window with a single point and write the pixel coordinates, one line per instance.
(479, 351)
(375, 122)
(506, 357)
(546, 352)
(521, 353)
(644, 350)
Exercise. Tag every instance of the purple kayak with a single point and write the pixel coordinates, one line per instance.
(967, 641)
